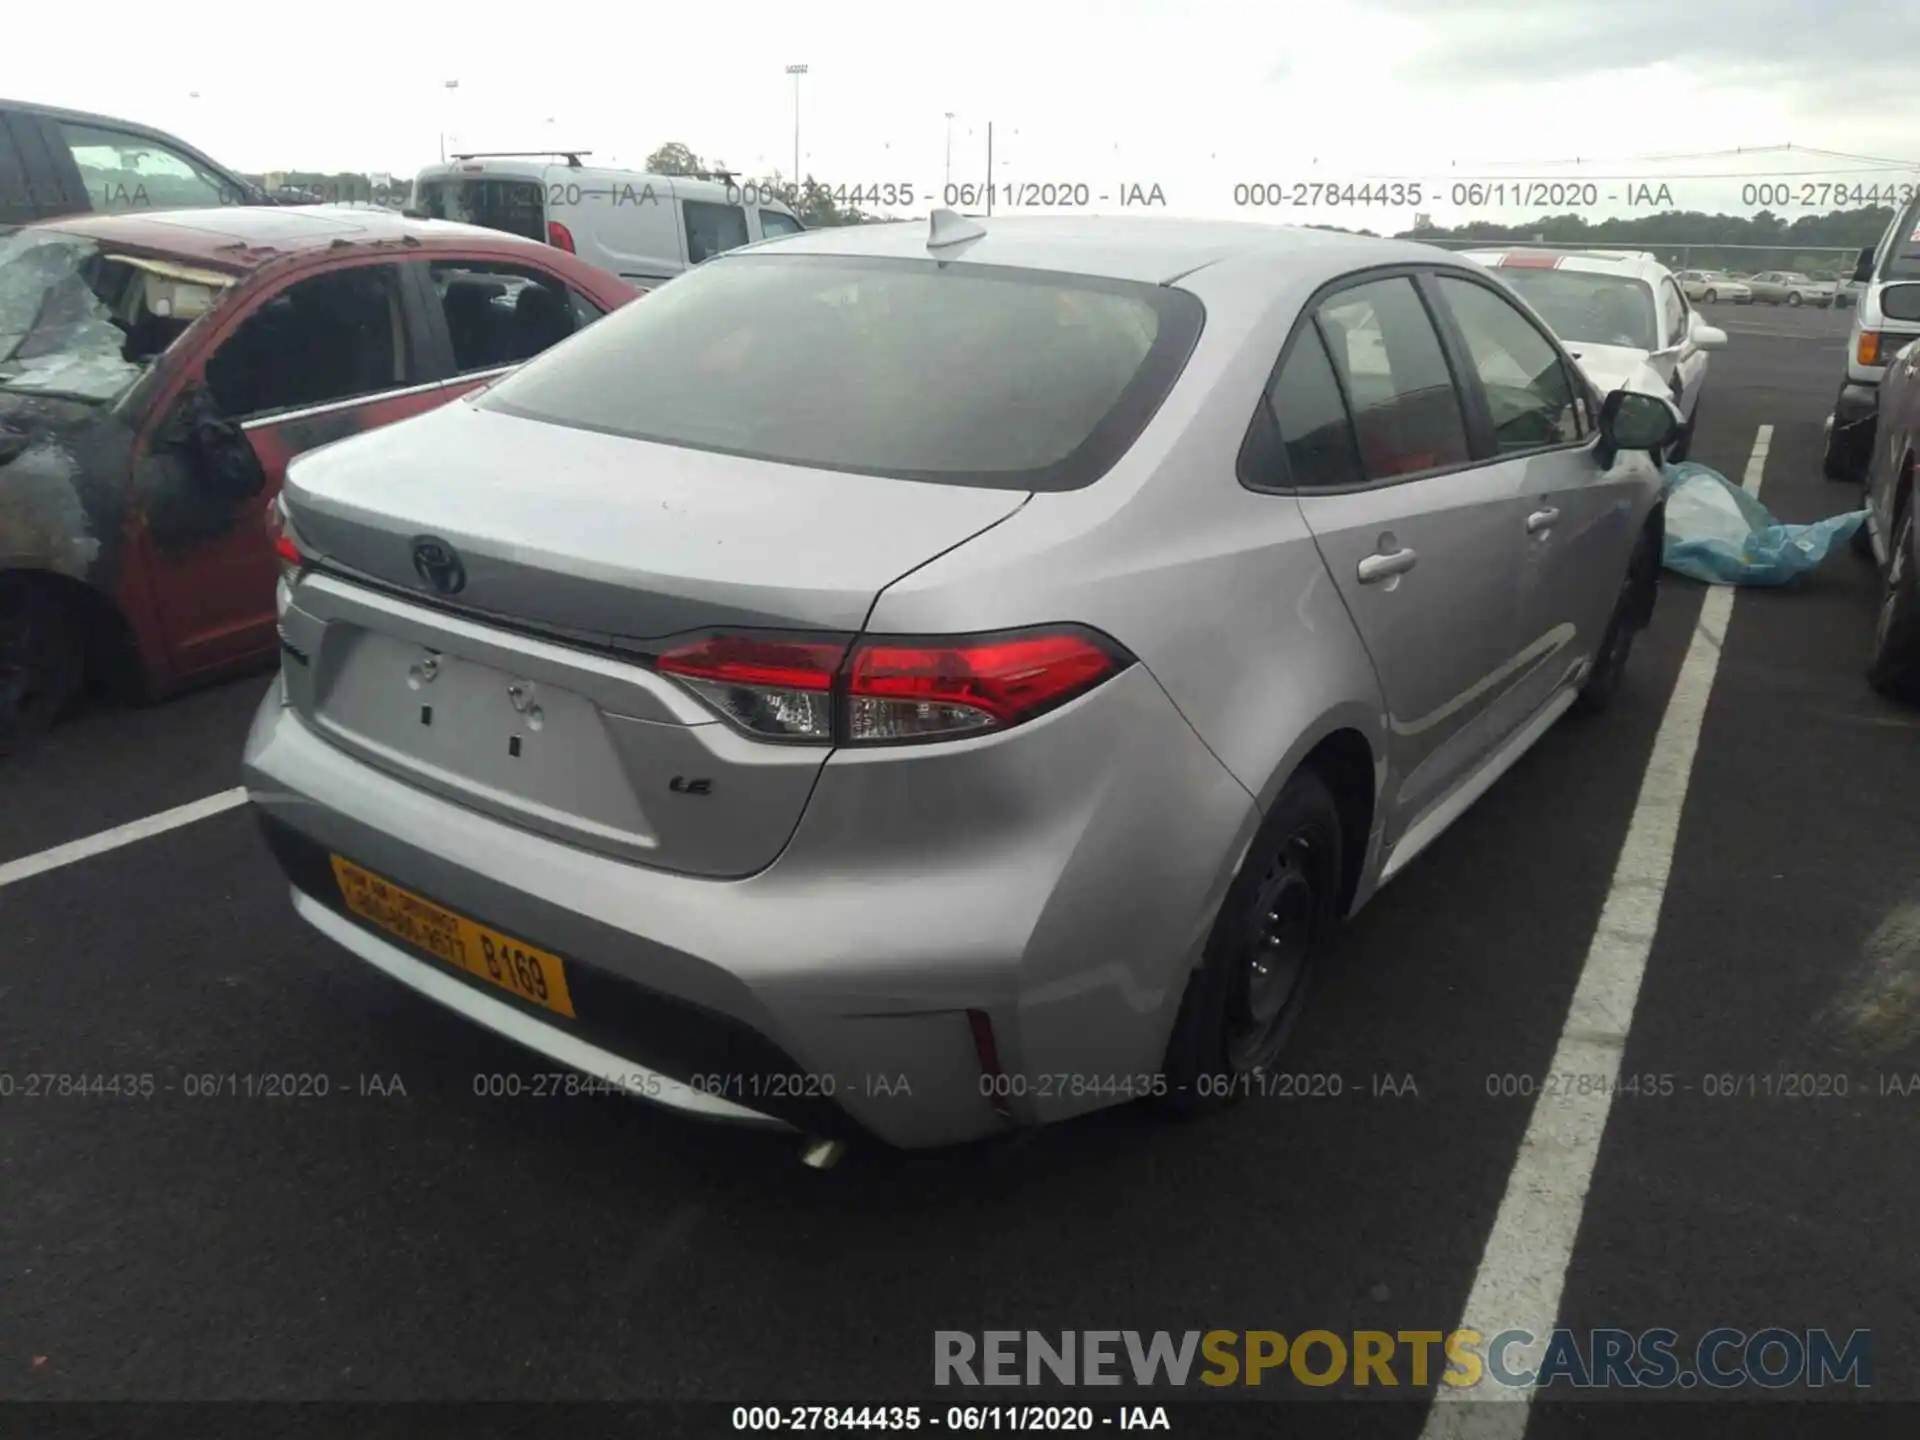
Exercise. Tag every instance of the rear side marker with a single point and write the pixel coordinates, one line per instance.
(992, 1077)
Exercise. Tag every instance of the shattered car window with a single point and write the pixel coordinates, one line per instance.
(75, 322)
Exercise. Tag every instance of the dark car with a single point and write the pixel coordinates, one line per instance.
(158, 371)
(57, 162)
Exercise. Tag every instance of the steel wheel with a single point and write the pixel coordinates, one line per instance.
(1242, 1001)
(1282, 928)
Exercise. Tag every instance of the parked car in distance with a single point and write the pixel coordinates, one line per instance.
(748, 682)
(1790, 287)
(1713, 286)
(157, 372)
(1621, 313)
(644, 228)
(1888, 536)
(56, 162)
(1846, 293)
(1885, 319)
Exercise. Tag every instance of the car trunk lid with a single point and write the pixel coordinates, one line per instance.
(526, 692)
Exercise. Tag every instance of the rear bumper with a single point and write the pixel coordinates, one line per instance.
(1060, 879)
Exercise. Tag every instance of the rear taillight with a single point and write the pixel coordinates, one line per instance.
(780, 689)
(559, 236)
(281, 534)
(889, 690)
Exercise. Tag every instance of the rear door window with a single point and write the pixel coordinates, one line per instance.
(712, 229)
(1311, 418)
(123, 171)
(334, 337)
(500, 314)
(1406, 411)
(515, 207)
(955, 373)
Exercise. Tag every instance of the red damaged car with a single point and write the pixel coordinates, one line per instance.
(157, 373)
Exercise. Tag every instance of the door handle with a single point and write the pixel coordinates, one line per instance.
(1379, 567)
(1540, 520)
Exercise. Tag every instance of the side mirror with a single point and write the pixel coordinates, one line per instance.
(1635, 420)
(1863, 267)
(222, 460)
(1709, 337)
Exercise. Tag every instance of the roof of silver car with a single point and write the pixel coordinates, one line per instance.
(1153, 249)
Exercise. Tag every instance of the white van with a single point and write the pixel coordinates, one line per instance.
(644, 228)
(1886, 316)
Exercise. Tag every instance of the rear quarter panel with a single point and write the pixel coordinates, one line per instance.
(1218, 590)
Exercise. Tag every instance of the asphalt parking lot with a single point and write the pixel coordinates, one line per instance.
(405, 1238)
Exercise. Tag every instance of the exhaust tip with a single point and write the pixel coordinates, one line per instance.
(823, 1154)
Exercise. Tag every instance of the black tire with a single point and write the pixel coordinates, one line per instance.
(1895, 668)
(1610, 664)
(1711, 296)
(42, 662)
(1843, 459)
(1793, 297)
(1241, 1004)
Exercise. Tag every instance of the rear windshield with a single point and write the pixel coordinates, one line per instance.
(1902, 260)
(510, 205)
(957, 374)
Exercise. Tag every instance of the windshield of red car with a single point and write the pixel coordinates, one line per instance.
(73, 320)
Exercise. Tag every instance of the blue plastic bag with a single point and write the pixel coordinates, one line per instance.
(1719, 533)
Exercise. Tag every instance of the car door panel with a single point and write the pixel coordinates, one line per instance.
(210, 565)
(1577, 523)
(1419, 539)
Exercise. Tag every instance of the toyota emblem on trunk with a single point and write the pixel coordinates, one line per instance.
(439, 565)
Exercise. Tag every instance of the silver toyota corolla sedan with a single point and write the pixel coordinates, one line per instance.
(924, 679)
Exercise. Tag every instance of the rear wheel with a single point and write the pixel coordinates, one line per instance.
(1242, 1002)
(1895, 668)
(42, 662)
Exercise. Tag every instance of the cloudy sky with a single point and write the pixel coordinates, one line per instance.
(1198, 98)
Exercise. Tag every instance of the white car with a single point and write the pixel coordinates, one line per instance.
(1620, 314)
(1710, 286)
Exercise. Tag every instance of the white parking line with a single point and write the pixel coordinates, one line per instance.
(105, 840)
(1523, 1269)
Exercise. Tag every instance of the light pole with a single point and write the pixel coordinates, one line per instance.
(445, 85)
(949, 181)
(796, 71)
